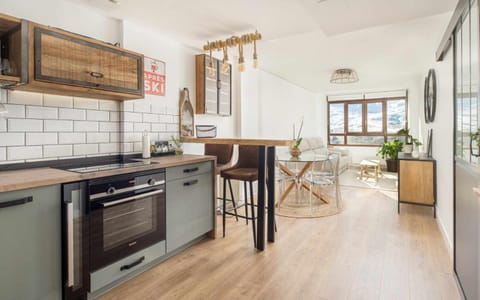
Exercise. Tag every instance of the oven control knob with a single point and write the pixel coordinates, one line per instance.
(111, 190)
(151, 181)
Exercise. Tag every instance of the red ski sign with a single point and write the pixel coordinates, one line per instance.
(154, 76)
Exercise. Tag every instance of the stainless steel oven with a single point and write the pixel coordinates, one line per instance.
(126, 214)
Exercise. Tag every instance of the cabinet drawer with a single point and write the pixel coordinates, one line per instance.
(188, 170)
(64, 59)
(113, 272)
(190, 208)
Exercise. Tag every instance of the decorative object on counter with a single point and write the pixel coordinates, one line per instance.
(297, 139)
(178, 145)
(154, 76)
(206, 131)
(162, 148)
(389, 152)
(430, 96)
(234, 41)
(410, 142)
(186, 114)
(344, 76)
(429, 142)
(146, 145)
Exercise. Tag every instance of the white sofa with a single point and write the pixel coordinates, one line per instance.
(316, 145)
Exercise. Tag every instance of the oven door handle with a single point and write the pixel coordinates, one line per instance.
(133, 198)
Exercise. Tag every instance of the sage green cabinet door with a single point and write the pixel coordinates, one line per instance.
(189, 209)
(30, 245)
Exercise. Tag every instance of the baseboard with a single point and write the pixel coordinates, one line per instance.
(447, 240)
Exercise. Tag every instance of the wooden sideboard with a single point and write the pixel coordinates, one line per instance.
(417, 181)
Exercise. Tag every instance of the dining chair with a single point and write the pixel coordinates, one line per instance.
(323, 176)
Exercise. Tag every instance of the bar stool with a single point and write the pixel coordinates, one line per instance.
(224, 154)
(246, 170)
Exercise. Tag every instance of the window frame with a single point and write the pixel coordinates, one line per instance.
(364, 132)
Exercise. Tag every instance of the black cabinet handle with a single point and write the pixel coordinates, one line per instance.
(190, 170)
(16, 202)
(191, 182)
(135, 263)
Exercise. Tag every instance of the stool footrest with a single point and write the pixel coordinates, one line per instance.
(240, 216)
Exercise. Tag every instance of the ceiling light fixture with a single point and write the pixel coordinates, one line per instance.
(236, 41)
(344, 76)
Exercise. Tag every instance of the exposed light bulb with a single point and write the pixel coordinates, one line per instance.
(211, 68)
(241, 64)
(255, 61)
(225, 67)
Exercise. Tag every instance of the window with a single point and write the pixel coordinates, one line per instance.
(368, 122)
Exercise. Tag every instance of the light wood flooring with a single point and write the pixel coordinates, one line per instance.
(365, 252)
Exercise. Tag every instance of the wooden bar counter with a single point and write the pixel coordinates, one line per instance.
(266, 163)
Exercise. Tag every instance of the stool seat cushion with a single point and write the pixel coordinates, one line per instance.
(244, 174)
(221, 167)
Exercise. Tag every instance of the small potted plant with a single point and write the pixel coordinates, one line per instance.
(389, 152)
(410, 141)
(297, 140)
(178, 145)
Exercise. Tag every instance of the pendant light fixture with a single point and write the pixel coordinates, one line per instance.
(341, 76)
(211, 66)
(235, 41)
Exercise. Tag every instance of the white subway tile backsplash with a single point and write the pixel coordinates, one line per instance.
(15, 111)
(85, 149)
(151, 118)
(19, 153)
(158, 108)
(141, 106)
(108, 105)
(86, 126)
(172, 127)
(159, 127)
(85, 103)
(57, 101)
(166, 119)
(72, 138)
(108, 126)
(98, 115)
(58, 126)
(3, 153)
(12, 139)
(114, 116)
(138, 147)
(3, 124)
(72, 114)
(115, 137)
(126, 106)
(141, 127)
(40, 112)
(19, 97)
(110, 148)
(132, 136)
(126, 147)
(98, 137)
(172, 111)
(25, 125)
(41, 138)
(132, 117)
(126, 126)
(57, 150)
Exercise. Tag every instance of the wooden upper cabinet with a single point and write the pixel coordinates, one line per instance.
(50, 60)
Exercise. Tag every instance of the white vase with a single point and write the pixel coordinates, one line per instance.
(407, 148)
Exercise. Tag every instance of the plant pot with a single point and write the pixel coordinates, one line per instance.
(408, 148)
(391, 165)
(178, 151)
(295, 152)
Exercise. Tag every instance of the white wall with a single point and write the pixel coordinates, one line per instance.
(270, 106)
(442, 146)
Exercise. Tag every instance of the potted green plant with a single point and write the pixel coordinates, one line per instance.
(389, 152)
(409, 141)
(297, 140)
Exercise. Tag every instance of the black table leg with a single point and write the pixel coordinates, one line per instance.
(261, 199)
(271, 193)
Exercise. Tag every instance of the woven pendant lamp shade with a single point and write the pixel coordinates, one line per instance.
(344, 76)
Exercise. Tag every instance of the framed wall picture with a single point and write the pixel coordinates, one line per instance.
(154, 76)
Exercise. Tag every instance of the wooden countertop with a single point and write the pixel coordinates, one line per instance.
(32, 178)
(238, 141)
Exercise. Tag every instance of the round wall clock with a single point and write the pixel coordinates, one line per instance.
(430, 96)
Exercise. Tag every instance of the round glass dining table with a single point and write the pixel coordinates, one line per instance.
(296, 168)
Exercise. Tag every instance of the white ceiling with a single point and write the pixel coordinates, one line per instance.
(305, 40)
